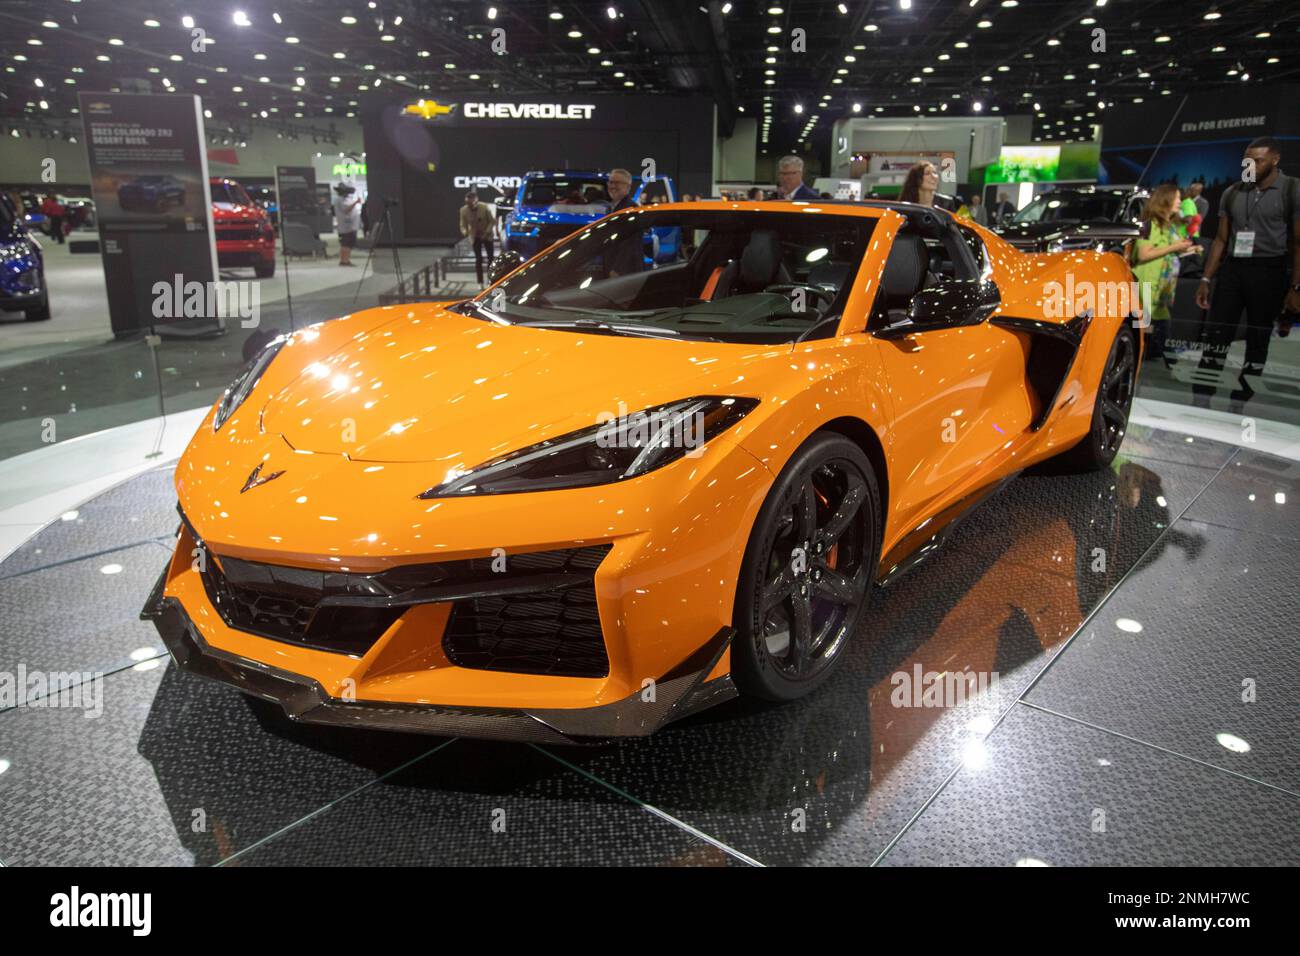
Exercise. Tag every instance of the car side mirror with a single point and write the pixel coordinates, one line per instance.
(944, 306)
(504, 264)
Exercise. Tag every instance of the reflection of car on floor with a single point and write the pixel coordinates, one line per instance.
(551, 205)
(245, 236)
(22, 270)
(151, 193)
(1085, 217)
(606, 493)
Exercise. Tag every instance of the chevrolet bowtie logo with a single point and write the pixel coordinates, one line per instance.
(428, 109)
(255, 478)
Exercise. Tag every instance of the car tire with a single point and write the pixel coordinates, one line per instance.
(806, 577)
(40, 313)
(1110, 409)
(264, 272)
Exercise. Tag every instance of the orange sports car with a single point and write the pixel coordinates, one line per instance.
(611, 490)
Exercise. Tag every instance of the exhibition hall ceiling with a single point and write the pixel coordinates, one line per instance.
(795, 65)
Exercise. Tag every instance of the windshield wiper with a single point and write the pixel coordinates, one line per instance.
(607, 328)
(483, 310)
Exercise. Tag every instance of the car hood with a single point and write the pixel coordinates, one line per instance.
(562, 213)
(230, 211)
(437, 386)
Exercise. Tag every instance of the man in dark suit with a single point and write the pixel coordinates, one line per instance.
(789, 180)
(620, 189)
(624, 256)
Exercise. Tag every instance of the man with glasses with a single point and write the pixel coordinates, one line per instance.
(789, 180)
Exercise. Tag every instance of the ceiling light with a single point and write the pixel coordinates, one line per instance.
(241, 19)
(348, 20)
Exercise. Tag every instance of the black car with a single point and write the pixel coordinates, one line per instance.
(1084, 217)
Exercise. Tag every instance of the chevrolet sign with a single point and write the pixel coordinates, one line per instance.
(501, 183)
(532, 111)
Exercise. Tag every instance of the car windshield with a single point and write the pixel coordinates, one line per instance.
(1084, 207)
(716, 275)
(569, 190)
(231, 193)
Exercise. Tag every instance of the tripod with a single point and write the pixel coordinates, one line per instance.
(385, 223)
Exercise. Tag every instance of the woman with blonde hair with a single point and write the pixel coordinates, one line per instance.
(1154, 258)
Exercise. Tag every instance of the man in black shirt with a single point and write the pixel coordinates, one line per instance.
(1253, 265)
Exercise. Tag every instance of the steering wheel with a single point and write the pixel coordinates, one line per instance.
(826, 295)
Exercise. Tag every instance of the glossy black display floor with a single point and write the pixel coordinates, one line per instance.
(1141, 624)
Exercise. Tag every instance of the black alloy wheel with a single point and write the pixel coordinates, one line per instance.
(1110, 410)
(808, 570)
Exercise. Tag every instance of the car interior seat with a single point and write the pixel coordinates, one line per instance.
(759, 266)
(906, 271)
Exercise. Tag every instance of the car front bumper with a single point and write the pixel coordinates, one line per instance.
(302, 698)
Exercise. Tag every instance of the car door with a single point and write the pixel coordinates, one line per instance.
(958, 393)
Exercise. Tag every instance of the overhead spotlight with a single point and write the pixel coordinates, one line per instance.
(977, 106)
(613, 14)
(187, 22)
(241, 19)
(492, 13)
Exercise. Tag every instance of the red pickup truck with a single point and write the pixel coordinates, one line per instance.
(245, 236)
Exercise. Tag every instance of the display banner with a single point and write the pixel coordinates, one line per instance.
(295, 190)
(426, 151)
(149, 180)
(1207, 136)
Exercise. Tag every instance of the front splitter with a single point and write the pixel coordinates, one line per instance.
(682, 691)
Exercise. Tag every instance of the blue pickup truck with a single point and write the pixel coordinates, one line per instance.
(551, 204)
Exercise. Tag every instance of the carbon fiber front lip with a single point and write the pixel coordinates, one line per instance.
(680, 692)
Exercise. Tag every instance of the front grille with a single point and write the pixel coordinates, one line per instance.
(555, 632)
(280, 603)
(238, 232)
(547, 624)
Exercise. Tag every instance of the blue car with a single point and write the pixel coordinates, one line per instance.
(551, 204)
(22, 271)
(151, 193)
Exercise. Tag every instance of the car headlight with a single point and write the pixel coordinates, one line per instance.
(19, 249)
(613, 450)
(244, 383)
